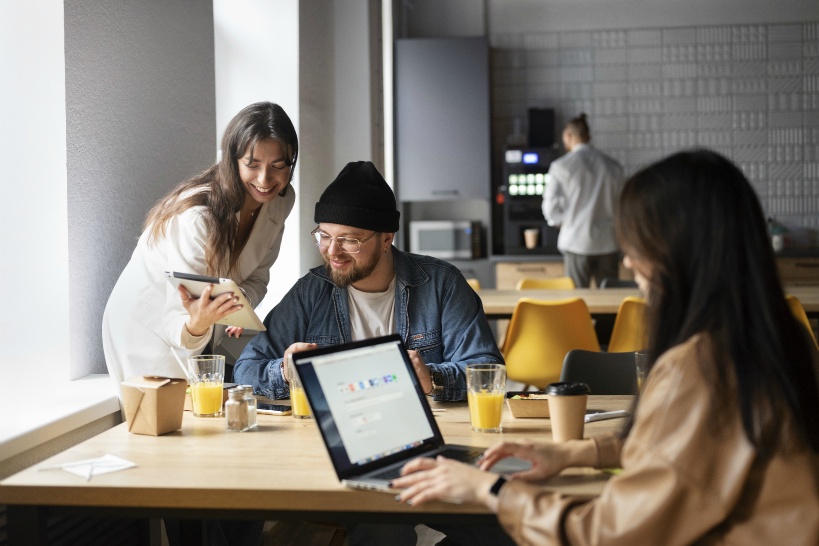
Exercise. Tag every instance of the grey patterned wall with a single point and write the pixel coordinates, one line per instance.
(750, 92)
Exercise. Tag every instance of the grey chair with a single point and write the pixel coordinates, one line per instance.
(604, 373)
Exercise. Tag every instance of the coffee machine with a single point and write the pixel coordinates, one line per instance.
(525, 178)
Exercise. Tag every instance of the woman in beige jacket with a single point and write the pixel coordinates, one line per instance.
(723, 447)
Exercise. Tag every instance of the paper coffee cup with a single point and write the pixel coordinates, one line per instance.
(567, 409)
(530, 237)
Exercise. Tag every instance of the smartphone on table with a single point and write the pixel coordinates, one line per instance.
(273, 409)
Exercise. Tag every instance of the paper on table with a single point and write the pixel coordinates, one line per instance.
(92, 467)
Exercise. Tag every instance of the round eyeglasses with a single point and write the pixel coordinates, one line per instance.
(346, 244)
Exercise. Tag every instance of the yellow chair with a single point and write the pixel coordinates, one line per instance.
(474, 283)
(554, 283)
(539, 336)
(629, 332)
(799, 312)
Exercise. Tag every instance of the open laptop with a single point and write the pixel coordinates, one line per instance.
(372, 413)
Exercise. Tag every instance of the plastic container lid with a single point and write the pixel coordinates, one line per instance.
(567, 389)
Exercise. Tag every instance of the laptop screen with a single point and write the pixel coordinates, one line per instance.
(367, 402)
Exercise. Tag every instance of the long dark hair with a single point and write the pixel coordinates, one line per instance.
(220, 188)
(695, 219)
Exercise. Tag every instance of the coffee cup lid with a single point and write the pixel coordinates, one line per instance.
(567, 389)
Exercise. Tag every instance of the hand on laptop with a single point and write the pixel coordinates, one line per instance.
(424, 479)
(547, 458)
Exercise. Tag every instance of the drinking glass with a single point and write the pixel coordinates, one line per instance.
(298, 399)
(641, 367)
(207, 376)
(486, 388)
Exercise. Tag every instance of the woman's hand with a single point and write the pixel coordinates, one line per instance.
(204, 312)
(424, 479)
(234, 331)
(547, 459)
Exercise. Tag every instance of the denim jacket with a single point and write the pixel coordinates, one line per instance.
(436, 314)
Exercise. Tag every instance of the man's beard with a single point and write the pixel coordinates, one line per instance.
(357, 272)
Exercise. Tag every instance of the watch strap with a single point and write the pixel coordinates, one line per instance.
(496, 487)
(434, 378)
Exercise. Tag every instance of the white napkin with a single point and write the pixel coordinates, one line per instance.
(88, 468)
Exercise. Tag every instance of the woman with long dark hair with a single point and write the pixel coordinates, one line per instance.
(724, 442)
(227, 221)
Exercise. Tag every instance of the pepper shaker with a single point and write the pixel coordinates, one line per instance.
(236, 410)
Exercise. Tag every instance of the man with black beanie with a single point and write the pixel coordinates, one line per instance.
(368, 288)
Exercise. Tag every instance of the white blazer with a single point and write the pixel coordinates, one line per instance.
(144, 316)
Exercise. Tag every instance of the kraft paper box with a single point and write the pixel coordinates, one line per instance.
(153, 405)
(528, 404)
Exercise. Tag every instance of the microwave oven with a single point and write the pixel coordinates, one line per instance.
(447, 239)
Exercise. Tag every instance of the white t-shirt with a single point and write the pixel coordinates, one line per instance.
(372, 314)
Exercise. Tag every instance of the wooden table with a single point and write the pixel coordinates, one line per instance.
(499, 304)
(280, 471)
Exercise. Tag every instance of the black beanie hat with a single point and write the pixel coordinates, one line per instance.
(359, 197)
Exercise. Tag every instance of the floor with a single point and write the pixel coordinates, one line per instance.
(299, 533)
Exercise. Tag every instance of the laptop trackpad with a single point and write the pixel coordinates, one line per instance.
(510, 465)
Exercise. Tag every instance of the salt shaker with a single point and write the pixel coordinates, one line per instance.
(236, 410)
(251, 406)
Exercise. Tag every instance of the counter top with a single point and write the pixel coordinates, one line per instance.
(798, 253)
(499, 258)
(496, 258)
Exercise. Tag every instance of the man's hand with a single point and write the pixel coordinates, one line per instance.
(421, 370)
(295, 348)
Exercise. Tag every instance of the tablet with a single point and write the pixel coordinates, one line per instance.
(245, 317)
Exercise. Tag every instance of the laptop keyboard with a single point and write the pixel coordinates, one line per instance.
(463, 455)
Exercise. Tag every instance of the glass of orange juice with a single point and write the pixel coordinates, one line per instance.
(641, 367)
(485, 390)
(298, 400)
(207, 382)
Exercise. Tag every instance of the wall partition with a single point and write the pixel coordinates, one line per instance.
(749, 91)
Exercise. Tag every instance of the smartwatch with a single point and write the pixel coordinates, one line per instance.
(437, 379)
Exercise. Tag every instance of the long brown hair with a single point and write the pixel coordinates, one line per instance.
(695, 219)
(220, 189)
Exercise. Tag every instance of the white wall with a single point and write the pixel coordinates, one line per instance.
(256, 48)
(351, 81)
(140, 118)
(33, 224)
(336, 93)
(317, 114)
(141, 115)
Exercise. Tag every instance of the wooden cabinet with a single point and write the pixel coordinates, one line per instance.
(507, 274)
(799, 271)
